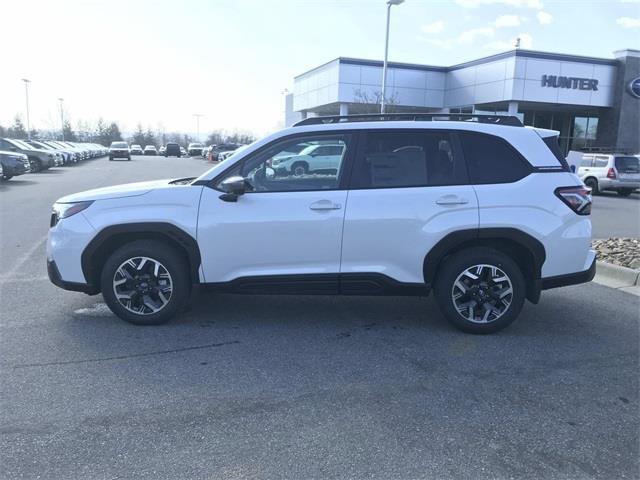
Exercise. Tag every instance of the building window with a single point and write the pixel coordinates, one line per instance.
(583, 133)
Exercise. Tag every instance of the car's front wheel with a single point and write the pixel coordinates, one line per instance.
(625, 192)
(480, 290)
(145, 282)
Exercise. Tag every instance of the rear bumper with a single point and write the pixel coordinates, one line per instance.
(607, 184)
(570, 278)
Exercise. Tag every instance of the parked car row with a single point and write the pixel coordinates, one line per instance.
(123, 150)
(23, 156)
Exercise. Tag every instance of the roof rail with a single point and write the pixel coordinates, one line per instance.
(417, 117)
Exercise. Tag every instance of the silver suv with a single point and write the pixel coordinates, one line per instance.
(615, 172)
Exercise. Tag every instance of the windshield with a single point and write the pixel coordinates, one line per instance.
(23, 145)
(119, 145)
(628, 164)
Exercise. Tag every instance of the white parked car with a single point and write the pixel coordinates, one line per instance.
(483, 213)
(314, 158)
(613, 172)
(150, 150)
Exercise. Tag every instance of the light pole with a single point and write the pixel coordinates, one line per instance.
(390, 3)
(61, 117)
(198, 115)
(26, 93)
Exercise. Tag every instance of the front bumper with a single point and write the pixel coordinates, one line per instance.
(15, 169)
(570, 278)
(56, 279)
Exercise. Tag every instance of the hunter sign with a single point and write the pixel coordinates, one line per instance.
(554, 81)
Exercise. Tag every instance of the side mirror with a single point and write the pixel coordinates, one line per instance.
(233, 188)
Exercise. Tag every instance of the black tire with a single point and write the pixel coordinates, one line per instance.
(36, 164)
(625, 192)
(171, 260)
(454, 266)
(302, 167)
(111, 159)
(7, 177)
(592, 183)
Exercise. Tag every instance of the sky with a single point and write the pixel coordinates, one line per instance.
(160, 62)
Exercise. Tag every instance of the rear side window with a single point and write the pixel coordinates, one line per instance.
(552, 143)
(490, 159)
(628, 164)
(418, 158)
(602, 161)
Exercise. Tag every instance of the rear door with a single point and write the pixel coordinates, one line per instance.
(408, 190)
(600, 166)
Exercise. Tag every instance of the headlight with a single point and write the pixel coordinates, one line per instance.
(65, 210)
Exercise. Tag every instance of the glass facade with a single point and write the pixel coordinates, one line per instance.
(576, 131)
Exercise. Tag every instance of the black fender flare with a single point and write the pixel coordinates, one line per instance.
(172, 233)
(455, 240)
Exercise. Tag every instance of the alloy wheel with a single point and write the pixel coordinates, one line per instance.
(482, 293)
(142, 285)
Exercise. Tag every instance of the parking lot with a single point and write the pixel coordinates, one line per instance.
(304, 387)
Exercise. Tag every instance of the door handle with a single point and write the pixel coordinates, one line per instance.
(325, 205)
(451, 200)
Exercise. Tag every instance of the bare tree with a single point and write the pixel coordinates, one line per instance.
(371, 102)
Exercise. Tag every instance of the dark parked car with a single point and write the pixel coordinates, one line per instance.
(172, 150)
(214, 150)
(13, 164)
(119, 150)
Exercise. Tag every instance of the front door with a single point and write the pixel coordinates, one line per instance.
(285, 224)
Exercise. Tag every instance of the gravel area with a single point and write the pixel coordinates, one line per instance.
(619, 251)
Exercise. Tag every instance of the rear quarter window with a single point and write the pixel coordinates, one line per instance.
(628, 164)
(491, 159)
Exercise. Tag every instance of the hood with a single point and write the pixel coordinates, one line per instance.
(117, 191)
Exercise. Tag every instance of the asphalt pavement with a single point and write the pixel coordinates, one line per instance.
(300, 387)
(615, 216)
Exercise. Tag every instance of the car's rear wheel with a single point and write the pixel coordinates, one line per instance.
(145, 282)
(592, 183)
(480, 290)
(625, 192)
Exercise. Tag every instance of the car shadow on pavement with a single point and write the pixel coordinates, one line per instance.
(14, 182)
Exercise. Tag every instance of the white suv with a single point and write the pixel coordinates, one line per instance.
(484, 212)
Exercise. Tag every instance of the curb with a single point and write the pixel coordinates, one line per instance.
(616, 276)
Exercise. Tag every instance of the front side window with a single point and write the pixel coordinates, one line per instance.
(278, 169)
(407, 159)
(491, 159)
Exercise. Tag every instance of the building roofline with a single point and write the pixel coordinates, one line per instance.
(564, 57)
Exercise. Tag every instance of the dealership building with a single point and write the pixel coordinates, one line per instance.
(592, 102)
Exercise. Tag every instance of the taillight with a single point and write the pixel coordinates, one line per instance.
(577, 199)
(611, 173)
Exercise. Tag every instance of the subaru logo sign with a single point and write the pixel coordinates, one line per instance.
(634, 87)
